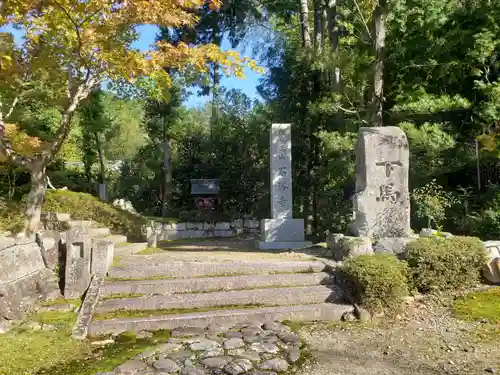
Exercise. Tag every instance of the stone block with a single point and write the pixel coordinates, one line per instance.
(223, 233)
(180, 226)
(78, 258)
(6, 242)
(238, 223)
(194, 225)
(187, 233)
(282, 230)
(343, 247)
(396, 245)
(491, 271)
(102, 257)
(382, 201)
(199, 234)
(251, 224)
(209, 226)
(170, 234)
(20, 260)
(222, 226)
(19, 296)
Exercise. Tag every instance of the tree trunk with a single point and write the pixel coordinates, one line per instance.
(35, 199)
(102, 168)
(304, 24)
(318, 25)
(167, 179)
(378, 19)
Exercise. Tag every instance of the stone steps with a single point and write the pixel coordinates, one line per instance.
(160, 268)
(130, 249)
(98, 232)
(310, 312)
(114, 238)
(207, 284)
(80, 223)
(265, 297)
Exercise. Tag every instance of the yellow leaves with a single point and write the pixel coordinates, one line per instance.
(489, 142)
(93, 38)
(22, 143)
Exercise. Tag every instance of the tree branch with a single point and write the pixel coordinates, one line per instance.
(363, 18)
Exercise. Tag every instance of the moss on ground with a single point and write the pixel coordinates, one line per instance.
(121, 295)
(29, 352)
(150, 250)
(479, 305)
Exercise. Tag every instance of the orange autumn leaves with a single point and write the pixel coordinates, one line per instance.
(22, 143)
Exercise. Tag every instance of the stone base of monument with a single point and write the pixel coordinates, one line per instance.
(282, 234)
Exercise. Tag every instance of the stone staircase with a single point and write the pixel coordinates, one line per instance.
(147, 293)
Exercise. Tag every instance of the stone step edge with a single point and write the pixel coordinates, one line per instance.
(125, 248)
(206, 269)
(264, 296)
(311, 312)
(215, 284)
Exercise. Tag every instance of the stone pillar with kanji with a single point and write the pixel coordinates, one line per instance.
(281, 231)
(382, 198)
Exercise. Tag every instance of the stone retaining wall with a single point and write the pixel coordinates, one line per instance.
(24, 279)
(205, 230)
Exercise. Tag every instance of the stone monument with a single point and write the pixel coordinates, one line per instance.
(78, 260)
(282, 231)
(382, 199)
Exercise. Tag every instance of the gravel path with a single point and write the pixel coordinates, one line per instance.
(426, 340)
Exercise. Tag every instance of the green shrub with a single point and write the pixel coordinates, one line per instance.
(377, 281)
(84, 206)
(438, 264)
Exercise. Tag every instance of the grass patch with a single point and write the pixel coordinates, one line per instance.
(121, 295)
(146, 313)
(27, 352)
(61, 301)
(479, 305)
(150, 250)
(164, 220)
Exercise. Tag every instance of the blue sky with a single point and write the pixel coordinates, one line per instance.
(147, 36)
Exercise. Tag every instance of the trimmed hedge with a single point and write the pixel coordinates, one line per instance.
(438, 264)
(376, 281)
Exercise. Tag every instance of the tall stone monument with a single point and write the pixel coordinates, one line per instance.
(282, 231)
(382, 199)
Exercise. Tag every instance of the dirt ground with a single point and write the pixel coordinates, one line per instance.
(425, 340)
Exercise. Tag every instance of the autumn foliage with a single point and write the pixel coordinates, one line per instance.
(22, 143)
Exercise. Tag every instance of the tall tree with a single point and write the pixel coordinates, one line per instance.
(72, 46)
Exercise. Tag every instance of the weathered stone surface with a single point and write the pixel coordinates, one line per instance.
(233, 334)
(19, 260)
(276, 326)
(78, 255)
(234, 343)
(188, 332)
(204, 345)
(192, 371)
(382, 200)
(276, 364)
(80, 331)
(19, 296)
(166, 365)
(242, 353)
(251, 224)
(212, 353)
(168, 347)
(251, 331)
(289, 338)
(181, 355)
(131, 367)
(238, 223)
(292, 354)
(238, 366)
(216, 362)
(260, 347)
(344, 247)
(396, 245)
(102, 256)
(491, 271)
